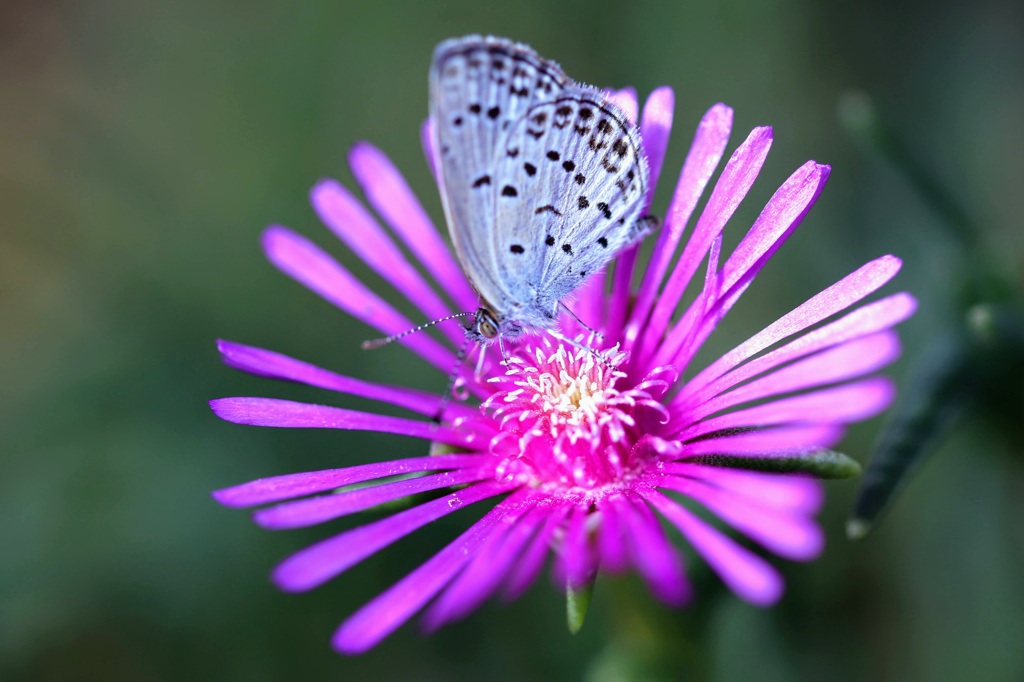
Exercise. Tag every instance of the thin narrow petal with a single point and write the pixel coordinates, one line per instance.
(486, 571)
(387, 612)
(797, 494)
(788, 535)
(705, 152)
(854, 287)
(780, 217)
(306, 263)
(653, 555)
(577, 564)
(868, 320)
(273, 365)
(319, 563)
(291, 414)
(655, 126)
(746, 574)
(625, 99)
(840, 363)
(587, 303)
(531, 561)
(427, 141)
(390, 196)
(277, 488)
(309, 512)
(345, 216)
(736, 179)
(611, 536)
(768, 442)
(842, 404)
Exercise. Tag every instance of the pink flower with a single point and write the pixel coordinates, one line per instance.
(579, 457)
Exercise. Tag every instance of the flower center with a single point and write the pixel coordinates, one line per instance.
(563, 420)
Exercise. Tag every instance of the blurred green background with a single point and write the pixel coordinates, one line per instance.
(143, 147)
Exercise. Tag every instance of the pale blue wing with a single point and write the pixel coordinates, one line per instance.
(570, 197)
(480, 88)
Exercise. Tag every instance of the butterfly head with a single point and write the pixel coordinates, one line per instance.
(488, 325)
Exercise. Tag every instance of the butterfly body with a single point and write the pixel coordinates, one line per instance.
(543, 179)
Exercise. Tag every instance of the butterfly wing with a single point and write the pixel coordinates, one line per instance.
(572, 197)
(480, 89)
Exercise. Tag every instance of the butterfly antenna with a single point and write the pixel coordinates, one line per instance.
(582, 323)
(446, 397)
(377, 343)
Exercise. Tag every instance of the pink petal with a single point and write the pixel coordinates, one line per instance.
(841, 295)
(653, 555)
(353, 224)
(796, 494)
(277, 366)
(587, 303)
(387, 612)
(746, 574)
(317, 564)
(839, 363)
(705, 153)
(285, 487)
(736, 179)
(390, 196)
(842, 404)
(789, 535)
(427, 141)
(611, 536)
(290, 414)
(306, 263)
(625, 99)
(860, 323)
(781, 440)
(531, 561)
(655, 126)
(487, 569)
(576, 563)
(310, 512)
(780, 217)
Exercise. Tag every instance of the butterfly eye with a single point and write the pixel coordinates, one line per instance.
(486, 324)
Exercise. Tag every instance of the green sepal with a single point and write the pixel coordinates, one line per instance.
(577, 601)
(820, 463)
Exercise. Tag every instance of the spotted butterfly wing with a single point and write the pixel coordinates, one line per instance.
(542, 178)
(572, 196)
(480, 88)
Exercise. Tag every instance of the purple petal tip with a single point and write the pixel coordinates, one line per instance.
(227, 497)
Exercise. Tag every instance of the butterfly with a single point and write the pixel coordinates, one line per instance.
(543, 179)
